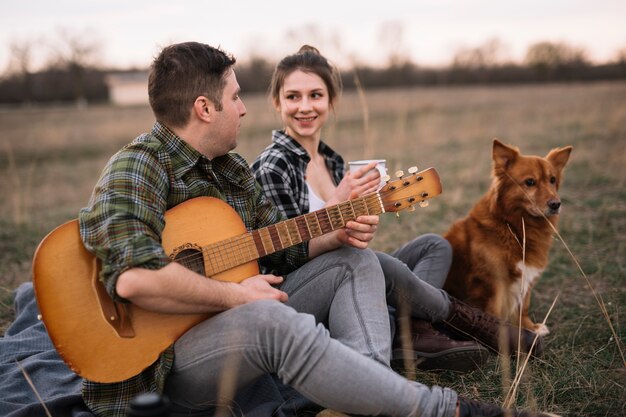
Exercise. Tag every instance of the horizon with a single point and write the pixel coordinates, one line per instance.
(428, 33)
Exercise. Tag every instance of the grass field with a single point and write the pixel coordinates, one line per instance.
(51, 158)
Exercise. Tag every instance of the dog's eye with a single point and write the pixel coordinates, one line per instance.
(552, 179)
(530, 182)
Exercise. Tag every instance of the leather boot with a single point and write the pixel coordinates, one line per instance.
(473, 408)
(476, 324)
(432, 349)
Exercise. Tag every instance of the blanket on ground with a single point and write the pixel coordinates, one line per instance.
(26, 349)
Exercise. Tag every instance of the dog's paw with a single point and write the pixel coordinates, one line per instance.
(541, 329)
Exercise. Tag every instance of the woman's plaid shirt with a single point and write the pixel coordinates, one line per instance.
(281, 168)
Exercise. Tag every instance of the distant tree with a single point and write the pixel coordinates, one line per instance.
(490, 54)
(327, 41)
(75, 53)
(620, 57)
(391, 37)
(556, 59)
(20, 68)
(254, 74)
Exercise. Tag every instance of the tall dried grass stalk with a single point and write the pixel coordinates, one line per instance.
(597, 296)
(14, 179)
(30, 382)
(20, 197)
(368, 148)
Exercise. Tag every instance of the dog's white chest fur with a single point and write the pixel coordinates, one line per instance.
(529, 276)
(518, 291)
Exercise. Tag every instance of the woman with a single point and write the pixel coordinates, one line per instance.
(301, 174)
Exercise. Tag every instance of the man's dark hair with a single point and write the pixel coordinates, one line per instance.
(180, 74)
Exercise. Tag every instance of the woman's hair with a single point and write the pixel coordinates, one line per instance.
(180, 74)
(307, 59)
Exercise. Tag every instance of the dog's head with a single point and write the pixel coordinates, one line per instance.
(529, 183)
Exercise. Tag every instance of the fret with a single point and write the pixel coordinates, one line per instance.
(258, 242)
(324, 221)
(313, 225)
(303, 228)
(276, 242)
(360, 207)
(347, 212)
(377, 204)
(294, 234)
(283, 233)
(266, 239)
(336, 221)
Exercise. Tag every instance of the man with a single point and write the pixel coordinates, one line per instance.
(262, 326)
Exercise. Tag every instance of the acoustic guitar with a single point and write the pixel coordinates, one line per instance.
(104, 341)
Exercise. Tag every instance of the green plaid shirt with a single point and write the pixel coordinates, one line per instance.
(123, 222)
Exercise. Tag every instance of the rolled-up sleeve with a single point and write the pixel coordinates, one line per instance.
(123, 222)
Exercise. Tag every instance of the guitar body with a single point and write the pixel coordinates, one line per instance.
(70, 296)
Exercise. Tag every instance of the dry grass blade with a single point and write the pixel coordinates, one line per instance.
(597, 296)
(369, 146)
(30, 382)
(512, 393)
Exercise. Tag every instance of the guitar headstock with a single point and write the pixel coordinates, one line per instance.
(409, 190)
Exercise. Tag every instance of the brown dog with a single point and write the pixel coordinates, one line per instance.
(501, 248)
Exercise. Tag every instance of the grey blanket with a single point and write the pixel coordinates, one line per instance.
(26, 346)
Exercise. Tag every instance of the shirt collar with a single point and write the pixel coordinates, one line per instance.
(184, 156)
(279, 137)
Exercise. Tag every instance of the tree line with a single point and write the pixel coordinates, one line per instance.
(72, 75)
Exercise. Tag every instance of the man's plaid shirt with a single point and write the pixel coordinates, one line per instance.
(124, 220)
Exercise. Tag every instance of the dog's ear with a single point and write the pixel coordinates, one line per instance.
(503, 155)
(558, 157)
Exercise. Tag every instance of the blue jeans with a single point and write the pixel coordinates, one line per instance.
(342, 367)
(414, 276)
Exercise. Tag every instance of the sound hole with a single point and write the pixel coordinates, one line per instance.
(191, 259)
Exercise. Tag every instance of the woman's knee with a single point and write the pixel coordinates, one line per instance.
(359, 258)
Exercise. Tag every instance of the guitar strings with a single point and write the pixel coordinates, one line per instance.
(220, 253)
(244, 241)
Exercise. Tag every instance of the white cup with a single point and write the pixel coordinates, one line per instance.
(380, 166)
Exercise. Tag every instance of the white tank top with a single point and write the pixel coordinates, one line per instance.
(315, 203)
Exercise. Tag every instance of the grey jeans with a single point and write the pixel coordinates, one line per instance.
(415, 274)
(343, 290)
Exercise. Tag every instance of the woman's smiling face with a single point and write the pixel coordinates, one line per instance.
(303, 104)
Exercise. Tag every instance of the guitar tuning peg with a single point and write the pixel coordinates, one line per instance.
(413, 170)
(386, 178)
(423, 204)
(410, 209)
(399, 173)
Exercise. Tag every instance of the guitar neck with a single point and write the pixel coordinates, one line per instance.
(235, 251)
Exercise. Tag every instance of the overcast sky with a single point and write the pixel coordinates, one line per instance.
(131, 32)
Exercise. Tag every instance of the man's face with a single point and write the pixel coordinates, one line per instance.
(226, 122)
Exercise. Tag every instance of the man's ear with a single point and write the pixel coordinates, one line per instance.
(203, 108)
